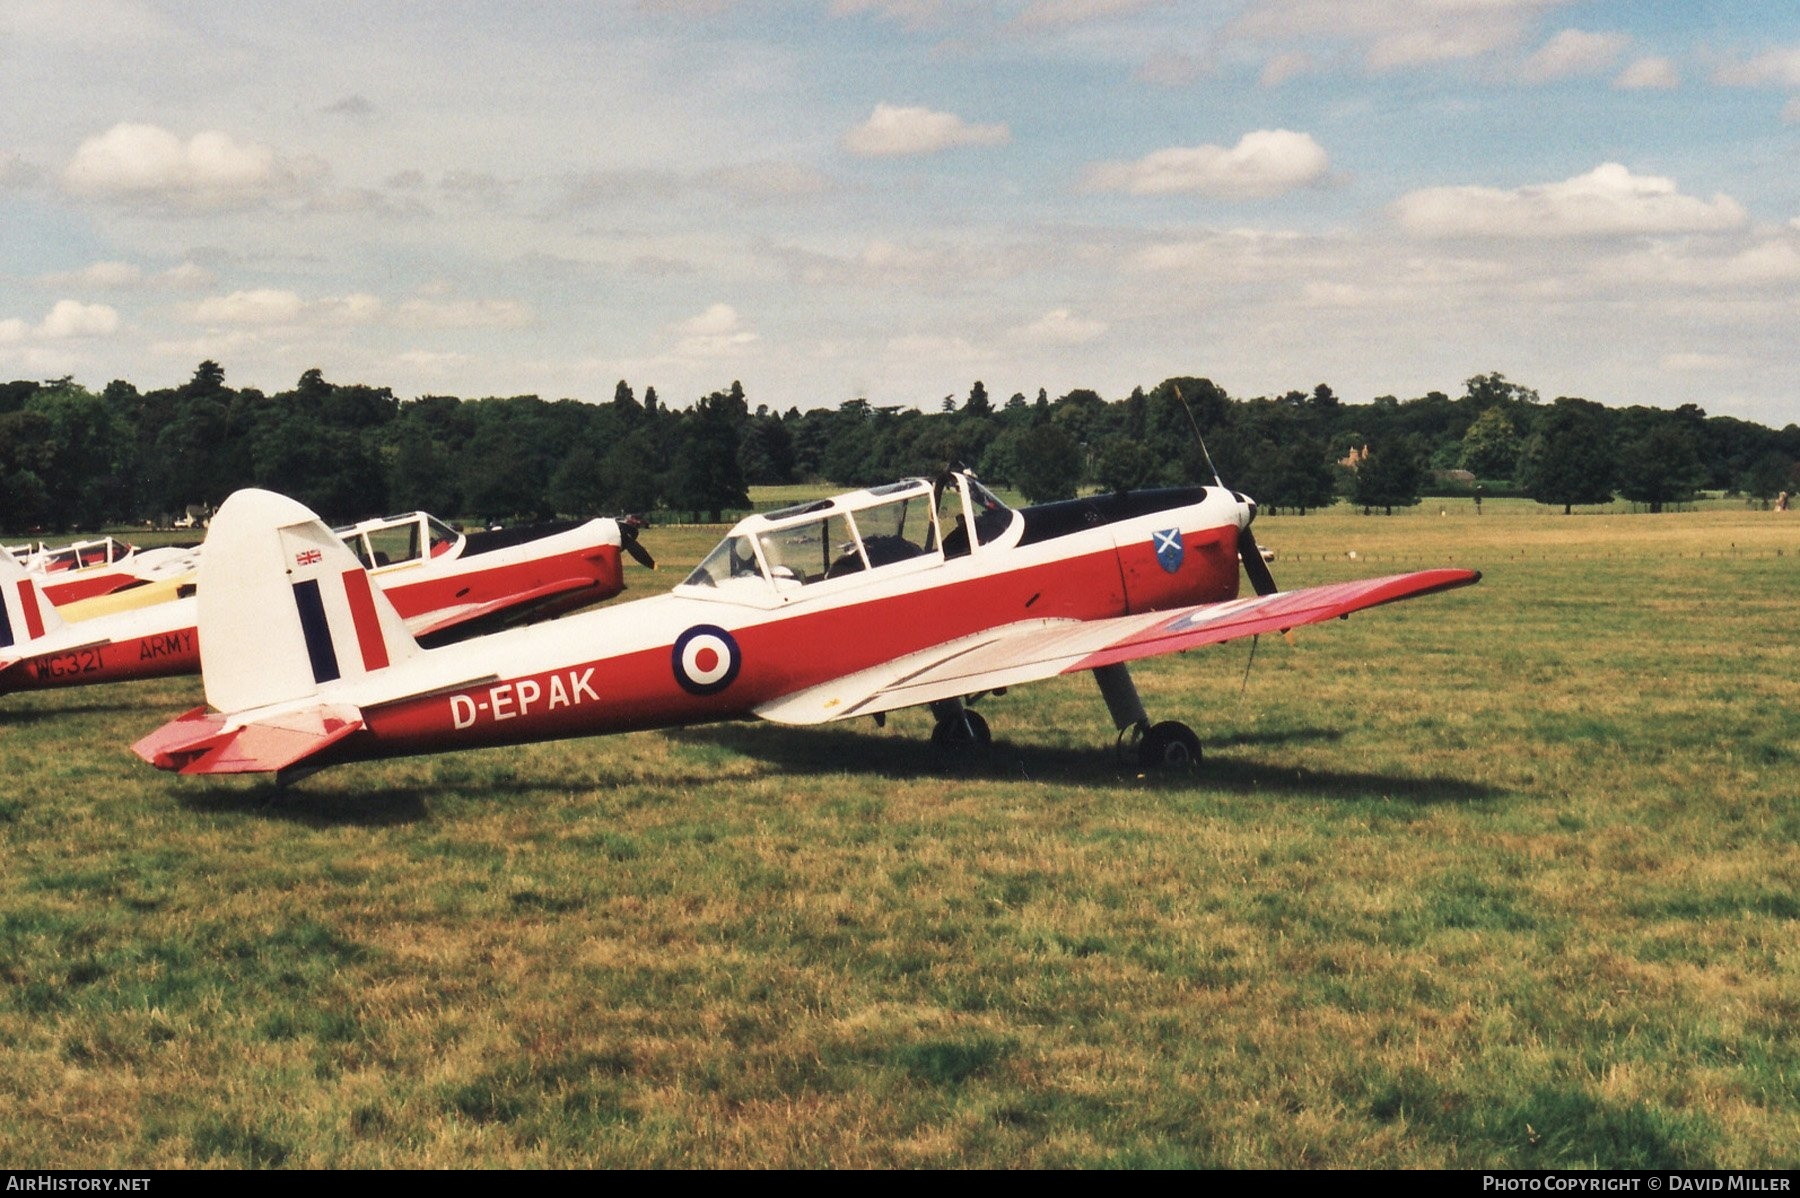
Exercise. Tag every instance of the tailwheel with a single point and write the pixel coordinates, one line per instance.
(1170, 745)
(961, 733)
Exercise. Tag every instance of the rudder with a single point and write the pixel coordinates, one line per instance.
(26, 613)
(285, 608)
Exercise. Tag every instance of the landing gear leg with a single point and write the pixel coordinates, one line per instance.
(959, 731)
(1168, 745)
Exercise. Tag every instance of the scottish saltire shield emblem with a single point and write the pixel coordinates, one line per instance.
(1169, 548)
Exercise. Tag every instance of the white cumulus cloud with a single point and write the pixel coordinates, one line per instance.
(1575, 52)
(1648, 74)
(1705, 363)
(259, 306)
(714, 333)
(1395, 34)
(126, 276)
(1779, 67)
(1051, 14)
(208, 170)
(893, 131)
(1607, 201)
(66, 319)
(1279, 69)
(1062, 327)
(72, 318)
(1264, 163)
(110, 276)
(269, 307)
(464, 314)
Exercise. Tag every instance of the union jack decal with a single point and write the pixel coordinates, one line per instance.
(310, 557)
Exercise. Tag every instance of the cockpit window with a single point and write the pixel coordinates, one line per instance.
(442, 537)
(391, 546)
(892, 532)
(732, 562)
(812, 551)
(992, 518)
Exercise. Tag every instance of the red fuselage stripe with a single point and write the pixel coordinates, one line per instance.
(368, 624)
(34, 619)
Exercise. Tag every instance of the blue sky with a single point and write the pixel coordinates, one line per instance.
(829, 199)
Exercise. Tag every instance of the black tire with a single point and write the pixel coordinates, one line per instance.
(962, 734)
(1170, 745)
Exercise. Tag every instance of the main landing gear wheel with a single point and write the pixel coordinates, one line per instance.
(961, 734)
(1170, 745)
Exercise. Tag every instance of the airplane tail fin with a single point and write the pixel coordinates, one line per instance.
(26, 613)
(285, 608)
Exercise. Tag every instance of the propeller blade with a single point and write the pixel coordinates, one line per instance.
(628, 540)
(1254, 565)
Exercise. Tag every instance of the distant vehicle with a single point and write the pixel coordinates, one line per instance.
(920, 593)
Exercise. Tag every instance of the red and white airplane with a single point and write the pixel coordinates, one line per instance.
(442, 583)
(85, 569)
(919, 593)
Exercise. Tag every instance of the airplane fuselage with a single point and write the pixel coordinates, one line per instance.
(717, 652)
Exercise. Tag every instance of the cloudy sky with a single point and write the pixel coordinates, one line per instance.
(891, 198)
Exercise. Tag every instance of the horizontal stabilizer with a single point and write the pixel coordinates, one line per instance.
(203, 742)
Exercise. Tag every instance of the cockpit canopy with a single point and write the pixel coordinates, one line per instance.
(915, 521)
(81, 554)
(397, 540)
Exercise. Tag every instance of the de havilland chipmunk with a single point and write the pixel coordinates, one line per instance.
(920, 593)
(84, 570)
(442, 583)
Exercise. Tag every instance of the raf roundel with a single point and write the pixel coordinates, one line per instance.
(706, 659)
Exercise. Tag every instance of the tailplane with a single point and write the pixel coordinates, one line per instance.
(204, 742)
(285, 608)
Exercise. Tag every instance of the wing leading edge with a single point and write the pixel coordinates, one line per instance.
(1034, 649)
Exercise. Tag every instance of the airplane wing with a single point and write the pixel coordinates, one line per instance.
(1034, 649)
(444, 625)
(200, 742)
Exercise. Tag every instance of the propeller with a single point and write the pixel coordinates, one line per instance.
(629, 527)
(1249, 552)
(1254, 566)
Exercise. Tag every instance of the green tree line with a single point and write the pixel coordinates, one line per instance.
(72, 458)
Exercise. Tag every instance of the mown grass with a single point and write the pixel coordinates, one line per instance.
(1504, 877)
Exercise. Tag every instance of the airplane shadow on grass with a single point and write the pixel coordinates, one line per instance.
(842, 751)
(24, 717)
(337, 806)
(344, 797)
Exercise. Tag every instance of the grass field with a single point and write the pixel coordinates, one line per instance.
(1506, 877)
